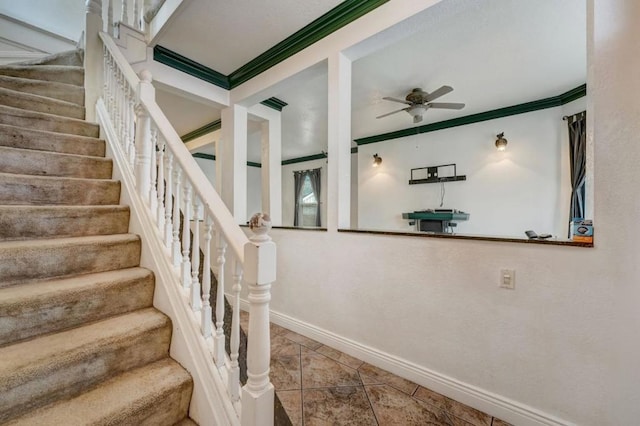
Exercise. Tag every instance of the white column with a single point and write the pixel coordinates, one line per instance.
(272, 168)
(233, 161)
(92, 57)
(339, 143)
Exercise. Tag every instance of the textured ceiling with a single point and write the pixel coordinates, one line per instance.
(224, 35)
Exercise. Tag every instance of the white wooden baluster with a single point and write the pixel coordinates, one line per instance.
(132, 125)
(186, 235)
(177, 256)
(234, 373)
(105, 73)
(168, 200)
(153, 193)
(136, 14)
(160, 200)
(110, 17)
(118, 110)
(143, 141)
(196, 297)
(206, 279)
(112, 89)
(260, 272)
(218, 341)
(124, 16)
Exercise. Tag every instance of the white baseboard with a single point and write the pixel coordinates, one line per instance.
(499, 406)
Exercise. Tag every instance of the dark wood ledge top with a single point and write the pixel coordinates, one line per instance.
(295, 228)
(470, 237)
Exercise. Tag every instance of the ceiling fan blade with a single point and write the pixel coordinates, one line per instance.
(402, 101)
(393, 112)
(446, 105)
(439, 92)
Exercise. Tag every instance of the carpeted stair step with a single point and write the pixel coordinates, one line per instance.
(43, 163)
(38, 190)
(48, 122)
(30, 260)
(31, 102)
(70, 57)
(37, 308)
(63, 365)
(31, 222)
(60, 73)
(186, 422)
(156, 394)
(50, 89)
(21, 137)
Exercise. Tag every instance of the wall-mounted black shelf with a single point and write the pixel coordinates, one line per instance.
(433, 174)
(437, 179)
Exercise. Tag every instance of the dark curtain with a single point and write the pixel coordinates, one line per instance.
(298, 181)
(578, 159)
(314, 178)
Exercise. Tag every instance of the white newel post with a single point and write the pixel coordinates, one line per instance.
(143, 136)
(93, 58)
(260, 272)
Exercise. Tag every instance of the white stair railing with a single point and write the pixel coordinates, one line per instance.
(171, 185)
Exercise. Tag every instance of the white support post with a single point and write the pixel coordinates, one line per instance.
(92, 57)
(234, 161)
(272, 168)
(136, 14)
(124, 16)
(339, 143)
(143, 136)
(260, 272)
(110, 17)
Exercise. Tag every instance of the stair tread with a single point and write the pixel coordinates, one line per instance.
(30, 85)
(83, 126)
(35, 308)
(54, 154)
(40, 98)
(116, 400)
(65, 73)
(40, 138)
(26, 360)
(51, 178)
(51, 243)
(8, 110)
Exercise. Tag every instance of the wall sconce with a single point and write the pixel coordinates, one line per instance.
(501, 142)
(376, 160)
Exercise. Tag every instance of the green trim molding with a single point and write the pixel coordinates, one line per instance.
(341, 15)
(274, 103)
(201, 131)
(213, 158)
(551, 102)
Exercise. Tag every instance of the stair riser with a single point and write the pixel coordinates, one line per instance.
(31, 102)
(20, 189)
(50, 89)
(66, 379)
(72, 58)
(19, 137)
(39, 163)
(66, 75)
(50, 123)
(23, 264)
(168, 410)
(27, 222)
(60, 306)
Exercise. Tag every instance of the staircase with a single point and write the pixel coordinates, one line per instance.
(80, 342)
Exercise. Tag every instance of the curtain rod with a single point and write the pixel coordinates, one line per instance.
(566, 117)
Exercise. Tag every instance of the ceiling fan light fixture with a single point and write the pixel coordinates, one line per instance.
(501, 142)
(376, 160)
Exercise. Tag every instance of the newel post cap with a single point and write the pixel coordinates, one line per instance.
(260, 252)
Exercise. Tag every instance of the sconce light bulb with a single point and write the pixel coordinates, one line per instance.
(376, 160)
(501, 142)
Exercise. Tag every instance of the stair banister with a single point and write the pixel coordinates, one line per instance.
(189, 195)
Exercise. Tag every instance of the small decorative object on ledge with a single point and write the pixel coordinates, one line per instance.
(434, 174)
(260, 224)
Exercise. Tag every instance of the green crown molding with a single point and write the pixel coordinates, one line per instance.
(341, 15)
(186, 65)
(274, 103)
(306, 158)
(551, 102)
(201, 131)
(213, 158)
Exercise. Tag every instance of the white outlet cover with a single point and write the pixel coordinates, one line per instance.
(508, 279)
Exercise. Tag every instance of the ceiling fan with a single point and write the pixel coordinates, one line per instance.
(420, 101)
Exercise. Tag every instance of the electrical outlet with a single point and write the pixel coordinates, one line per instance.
(508, 279)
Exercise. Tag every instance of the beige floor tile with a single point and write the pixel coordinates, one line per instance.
(453, 408)
(431, 397)
(292, 403)
(374, 375)
(277, 330)
(286, 369)
(392, 407)
(337, 406)
(303, 340)
(341, 357)
(318, 371)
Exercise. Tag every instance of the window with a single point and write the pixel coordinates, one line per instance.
(308, 204)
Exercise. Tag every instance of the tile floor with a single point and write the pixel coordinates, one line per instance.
(319, 385)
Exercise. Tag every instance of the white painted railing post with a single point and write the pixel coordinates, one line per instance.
(92, 57)
(109, 17)
(143, 136)
(260, 272)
